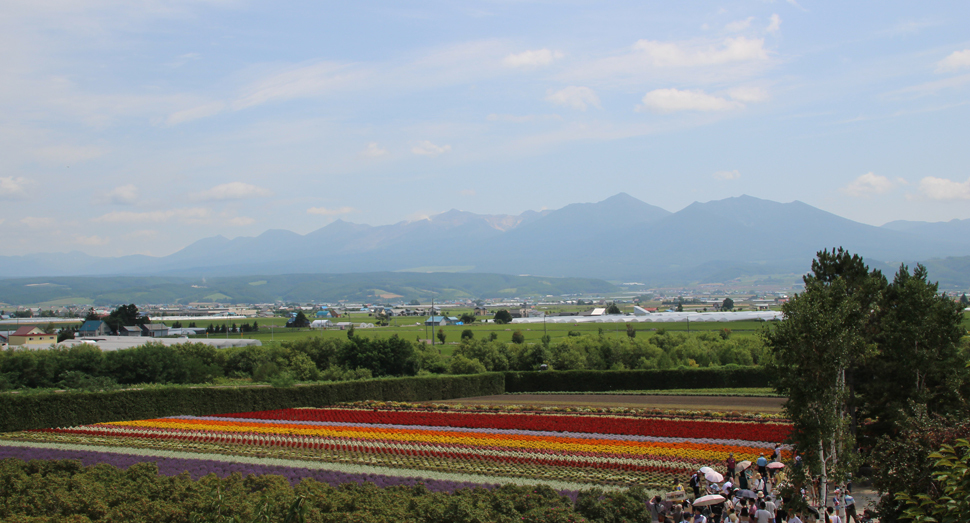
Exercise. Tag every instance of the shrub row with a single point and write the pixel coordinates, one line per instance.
(35, 411)
(597, 381)
(58, 491)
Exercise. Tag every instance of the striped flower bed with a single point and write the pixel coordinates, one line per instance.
(565, 451)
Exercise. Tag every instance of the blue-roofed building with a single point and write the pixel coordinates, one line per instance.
(93, 328)
(436, 321)
(324, 314)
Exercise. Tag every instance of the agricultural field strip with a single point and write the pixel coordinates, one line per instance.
(601, 450)
(564, 434)
(337, 467)
(483, 469)
(612, 449)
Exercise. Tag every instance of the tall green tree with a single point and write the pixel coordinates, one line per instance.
(125, 315)
(823, 339)
(917, 335)
(727, 304)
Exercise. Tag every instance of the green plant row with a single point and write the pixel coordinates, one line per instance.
(58, 491)
(597, 381)
(36, 411)
(748, 392)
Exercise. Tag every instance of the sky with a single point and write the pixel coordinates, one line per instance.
(139, 127)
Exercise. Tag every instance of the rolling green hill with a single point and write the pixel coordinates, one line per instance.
(361, 287)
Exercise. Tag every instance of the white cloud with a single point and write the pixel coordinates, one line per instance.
(943, 189)
(373, 151)
(467, 192)
(775, 24)
(670, 100)
(727, 175)
(35, 222)
(323, 211)
(13, 187)
(739, 25)
(90, 240)
(574, 96)
(538, 57)
(241, 220)
(669, 54)
(796, 4)
(195, 113)
(125, 194)
(426, 148)
(867, 185)
(142, 234)
(299, 82)
(185, 215)
(232, 191)
(748, 94)
(956, 61)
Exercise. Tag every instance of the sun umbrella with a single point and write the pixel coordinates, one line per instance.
(712, 499)
(748, 494)
(741, 466)
(714, 477)
(705, 470)
(776, 465)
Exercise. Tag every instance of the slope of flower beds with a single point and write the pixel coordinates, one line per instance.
(567, 451)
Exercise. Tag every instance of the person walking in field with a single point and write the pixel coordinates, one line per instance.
(762, 466)
(730, 467)
(695, 484)
(850, 515)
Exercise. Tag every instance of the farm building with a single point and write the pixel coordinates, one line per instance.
(94, 328)
(28, 335)
(130, 330)
(154, 330)
(436, 321)
(321, 324)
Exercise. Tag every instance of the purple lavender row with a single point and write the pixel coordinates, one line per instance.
(516, 432)
(198, 468)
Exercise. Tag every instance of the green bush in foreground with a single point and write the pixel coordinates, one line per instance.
(65, 491)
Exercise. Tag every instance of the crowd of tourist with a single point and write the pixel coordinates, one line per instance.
(749, 493)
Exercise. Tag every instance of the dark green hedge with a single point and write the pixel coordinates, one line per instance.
(606, 380)
(35, 411)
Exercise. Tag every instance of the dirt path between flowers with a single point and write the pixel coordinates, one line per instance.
(720, 403)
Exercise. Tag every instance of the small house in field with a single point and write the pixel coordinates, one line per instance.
(481, 311)
(93, 328)
(436, 321)
(28, 335)
(321, 324)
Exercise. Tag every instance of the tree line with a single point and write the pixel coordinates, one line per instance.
(875, 372)
(316, 358)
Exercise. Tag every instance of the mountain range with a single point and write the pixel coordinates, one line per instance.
(620, 238)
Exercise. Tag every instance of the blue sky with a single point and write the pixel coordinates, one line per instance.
(139, 127)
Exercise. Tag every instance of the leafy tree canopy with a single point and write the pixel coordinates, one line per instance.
(503, 317)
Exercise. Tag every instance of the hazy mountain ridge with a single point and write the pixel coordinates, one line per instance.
(618, 238)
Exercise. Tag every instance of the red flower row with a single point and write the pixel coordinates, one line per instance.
(746, 431)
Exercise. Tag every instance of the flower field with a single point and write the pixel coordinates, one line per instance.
(404, 444)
